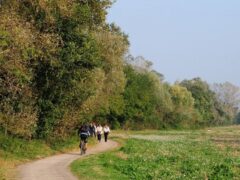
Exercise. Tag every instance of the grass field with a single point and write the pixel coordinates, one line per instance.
(204, 154)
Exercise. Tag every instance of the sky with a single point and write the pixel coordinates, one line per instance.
(184, 38)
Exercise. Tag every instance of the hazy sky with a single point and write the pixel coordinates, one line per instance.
(184, 38)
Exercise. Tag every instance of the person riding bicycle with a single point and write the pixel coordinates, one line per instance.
(84, 133)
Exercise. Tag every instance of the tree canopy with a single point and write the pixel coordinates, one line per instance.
(62, 64)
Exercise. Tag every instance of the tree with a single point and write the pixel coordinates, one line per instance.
(237, 119)
(205, 100)
(229, 95)
(139, 98)
(139, 63)
(17, 111)
(66, 69)
(183, 113)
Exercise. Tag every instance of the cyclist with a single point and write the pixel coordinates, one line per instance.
(83, 133)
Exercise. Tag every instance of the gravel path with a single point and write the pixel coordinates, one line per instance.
(56, 167)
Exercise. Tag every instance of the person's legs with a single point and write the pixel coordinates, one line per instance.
(84, 139)
(92, 132)
(99, 137)
(105, 136)
(81, 139)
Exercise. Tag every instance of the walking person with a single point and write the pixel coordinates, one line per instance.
(106, 130)
(99, 130)
(92, 130)
(95, 130)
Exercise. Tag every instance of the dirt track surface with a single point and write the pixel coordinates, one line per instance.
(56, 167)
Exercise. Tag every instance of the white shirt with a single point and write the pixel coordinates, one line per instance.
(106, 129)
(99, 129)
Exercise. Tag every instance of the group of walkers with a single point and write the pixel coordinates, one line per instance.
(93, 130)
(98, 130)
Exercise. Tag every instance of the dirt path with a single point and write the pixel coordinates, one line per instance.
(56, 167)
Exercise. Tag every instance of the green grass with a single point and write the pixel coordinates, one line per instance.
(17, 149)
(206, 154)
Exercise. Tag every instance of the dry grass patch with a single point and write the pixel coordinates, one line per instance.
(158, 138)
(7, 170)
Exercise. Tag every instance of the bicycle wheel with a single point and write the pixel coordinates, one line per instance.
(82, 147)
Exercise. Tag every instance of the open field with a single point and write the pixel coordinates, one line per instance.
(212, 153)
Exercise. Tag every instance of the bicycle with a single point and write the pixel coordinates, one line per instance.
(82, 147)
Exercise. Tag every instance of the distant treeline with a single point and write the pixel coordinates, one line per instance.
(62, 64)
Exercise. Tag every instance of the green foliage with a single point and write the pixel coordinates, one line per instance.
(116, 124)
(205, 101)
(103, 168)
(139, 97)
(68, 60)
(17, 116)
(15, 148)
(4, 40)
(65, 84)
(183, 113)
(33, 12)
(237, 119)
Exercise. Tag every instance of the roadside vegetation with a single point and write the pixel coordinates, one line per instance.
(206, 154)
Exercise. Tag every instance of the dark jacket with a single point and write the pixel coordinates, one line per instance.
(84, 130)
